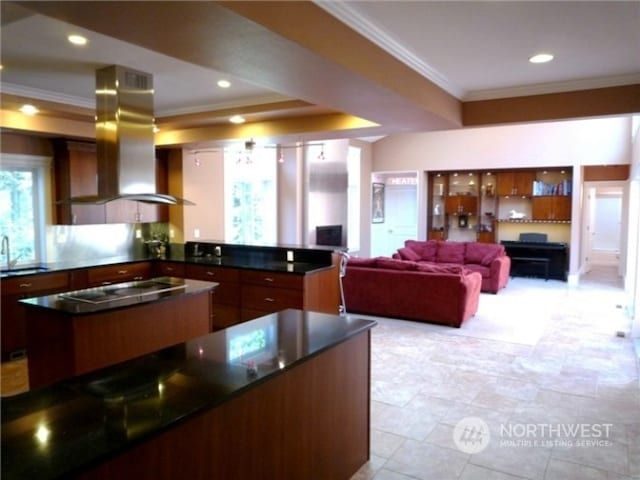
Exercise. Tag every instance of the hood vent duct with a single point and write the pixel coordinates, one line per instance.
(125, 139)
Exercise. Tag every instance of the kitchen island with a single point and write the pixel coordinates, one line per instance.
(283, 396)
(76, 332)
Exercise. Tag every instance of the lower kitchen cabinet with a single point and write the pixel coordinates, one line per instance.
(226, 297)
(14, 324)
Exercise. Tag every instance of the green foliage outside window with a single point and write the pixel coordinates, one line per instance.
(17, 216)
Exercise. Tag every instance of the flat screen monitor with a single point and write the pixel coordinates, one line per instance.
(329, 235)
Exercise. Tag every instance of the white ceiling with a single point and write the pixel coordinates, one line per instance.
(473, 50)
(479, 50)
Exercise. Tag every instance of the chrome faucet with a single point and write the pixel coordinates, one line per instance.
(6, 250)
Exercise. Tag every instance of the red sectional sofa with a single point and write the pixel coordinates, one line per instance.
(488, 259)
(445, 294)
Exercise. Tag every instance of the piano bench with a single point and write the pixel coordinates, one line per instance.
(537, 260)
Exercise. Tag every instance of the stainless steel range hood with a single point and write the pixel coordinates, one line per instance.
(124, 139)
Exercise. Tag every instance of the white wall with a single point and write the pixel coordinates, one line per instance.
(203, 178)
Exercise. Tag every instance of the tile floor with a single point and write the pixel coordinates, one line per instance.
(538, 361)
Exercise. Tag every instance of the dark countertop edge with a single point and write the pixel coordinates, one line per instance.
(56, 267)
(217, 402)
(192, 287)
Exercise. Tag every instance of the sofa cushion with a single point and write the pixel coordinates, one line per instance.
(407, 253)
(391, 264)
(481, 269)
(441, 268)
(451, 252)
(482, 253)
(427, 250)
(362, 262)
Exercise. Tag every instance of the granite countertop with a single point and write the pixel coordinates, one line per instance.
(270, 258)
(119, 295)
(58, 430)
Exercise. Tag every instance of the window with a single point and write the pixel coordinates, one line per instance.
(250, 196)
(22, 206)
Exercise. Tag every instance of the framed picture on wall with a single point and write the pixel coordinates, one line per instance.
(377, 203)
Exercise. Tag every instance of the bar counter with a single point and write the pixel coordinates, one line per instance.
(282, 396)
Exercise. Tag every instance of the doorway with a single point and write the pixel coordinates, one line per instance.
(400, 213)
(603, 225)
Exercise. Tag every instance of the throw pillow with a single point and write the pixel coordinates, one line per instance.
(426, 250)
(407, 253)
(475, 252)
(488, 258)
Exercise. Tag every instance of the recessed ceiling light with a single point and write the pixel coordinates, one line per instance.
(224, 83)
(237, 119)
(541, 58)
(77, 39)
(28, 109)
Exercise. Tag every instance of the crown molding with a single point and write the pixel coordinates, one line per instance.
(554, 87)
(343, 12)
(38, 94)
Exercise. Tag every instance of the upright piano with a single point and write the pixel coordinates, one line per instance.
(533, 256)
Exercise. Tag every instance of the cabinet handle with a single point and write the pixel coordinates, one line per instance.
(169, 269)
(139, 277)
(210, 273)
(122, 272)
(107, 283)
(268, 279)
(269, 299)
(74, 219)
(25, 285)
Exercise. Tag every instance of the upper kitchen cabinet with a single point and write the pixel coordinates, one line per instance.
(515, 183)
(76, 174)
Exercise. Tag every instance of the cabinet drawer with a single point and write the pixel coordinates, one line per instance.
(213, 274)
(125, 272)
(170, 269)
(270, 279)
(269, 299)
(33, 284)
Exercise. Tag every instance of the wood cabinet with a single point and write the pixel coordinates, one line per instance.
(76, 174)
(14, 324)
(515, 183)
(62, 344)
(557, 207)
(461, 204)
(226, 297)
(125, 272)
(167, 268)
(267, 292)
